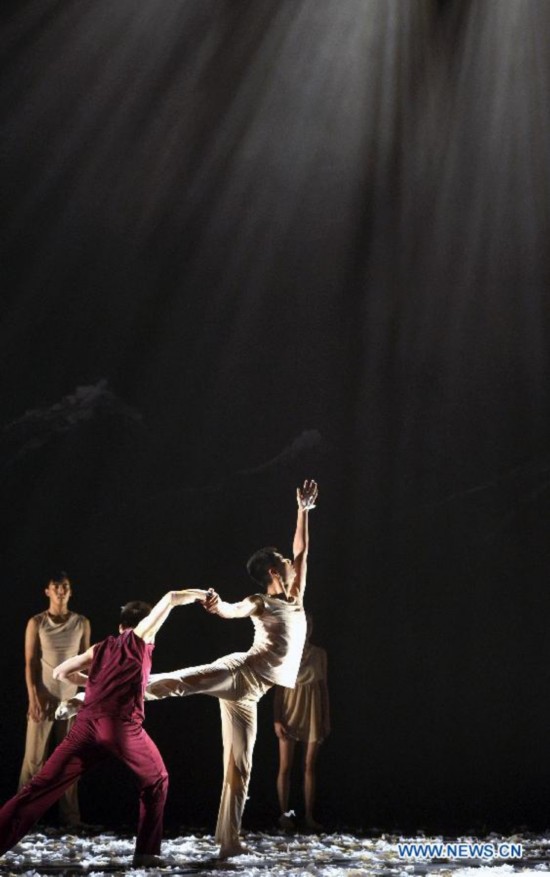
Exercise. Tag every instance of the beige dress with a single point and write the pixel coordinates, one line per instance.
(304, 709)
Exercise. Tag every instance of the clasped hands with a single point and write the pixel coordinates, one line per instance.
(209, 599)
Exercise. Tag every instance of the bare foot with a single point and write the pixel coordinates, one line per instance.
(227, 851)
(145, 860)
(312, 825)
(287, 822)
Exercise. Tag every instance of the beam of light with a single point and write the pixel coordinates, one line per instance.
(373, 166)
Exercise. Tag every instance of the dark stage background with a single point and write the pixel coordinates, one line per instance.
(252, 241)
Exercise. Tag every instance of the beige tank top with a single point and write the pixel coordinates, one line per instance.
(58, 641)
(279, 636)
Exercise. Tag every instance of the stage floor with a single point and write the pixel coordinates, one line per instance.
(51, 851)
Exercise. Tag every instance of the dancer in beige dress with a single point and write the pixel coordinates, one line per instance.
(239, 680)
(301, 714)
(50, 638)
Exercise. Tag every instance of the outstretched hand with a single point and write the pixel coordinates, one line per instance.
(307, 495)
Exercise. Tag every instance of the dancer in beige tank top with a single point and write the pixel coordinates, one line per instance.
(50, 638)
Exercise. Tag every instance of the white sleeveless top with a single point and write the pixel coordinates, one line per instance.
(279, 636)
(58, 641)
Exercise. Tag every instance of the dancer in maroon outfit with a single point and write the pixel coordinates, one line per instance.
(109, 723)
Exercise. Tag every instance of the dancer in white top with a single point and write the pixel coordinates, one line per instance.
(239, 680)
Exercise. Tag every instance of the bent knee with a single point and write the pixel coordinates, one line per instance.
(163, 779)
(158, 788)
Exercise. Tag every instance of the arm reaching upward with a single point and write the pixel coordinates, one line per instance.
(151, 624)
(306, 497)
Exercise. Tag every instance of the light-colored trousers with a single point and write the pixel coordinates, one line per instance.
(239, 689)
(36, 754)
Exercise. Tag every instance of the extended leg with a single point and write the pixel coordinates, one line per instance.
(70, 760)
(216, 679)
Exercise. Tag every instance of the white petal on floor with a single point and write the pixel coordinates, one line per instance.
(51, 852)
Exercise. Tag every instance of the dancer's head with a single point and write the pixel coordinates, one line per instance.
(268, 566)
(132, 613)
(58, 591)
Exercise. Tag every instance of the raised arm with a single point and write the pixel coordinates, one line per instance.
(306, 497)
(151, 624)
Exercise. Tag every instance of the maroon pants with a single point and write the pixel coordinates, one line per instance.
(89, 742)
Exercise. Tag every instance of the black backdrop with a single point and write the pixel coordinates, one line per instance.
(250, 241)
